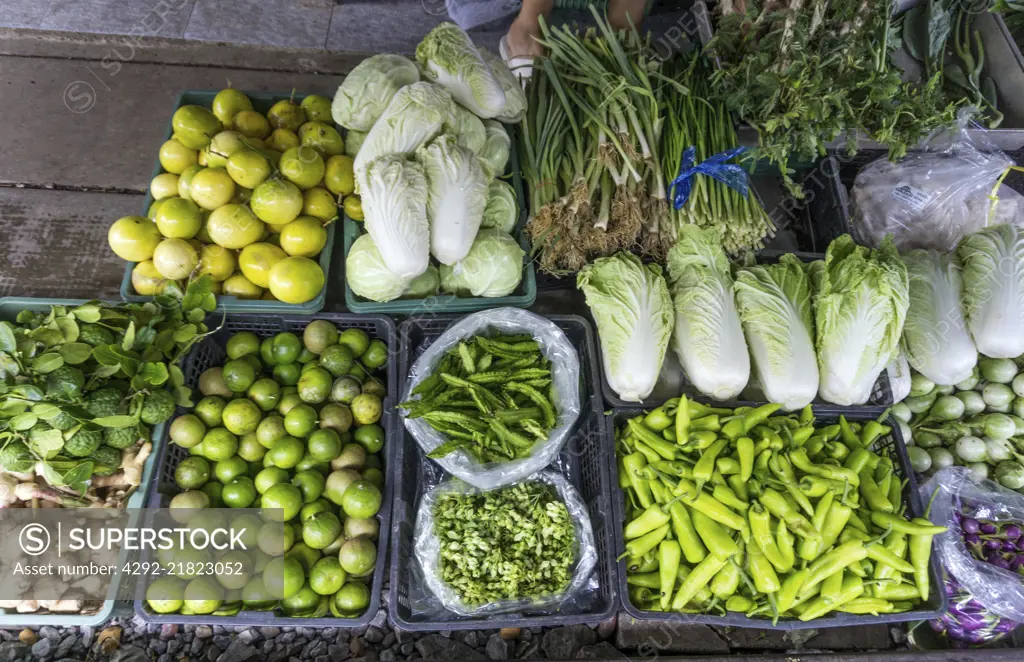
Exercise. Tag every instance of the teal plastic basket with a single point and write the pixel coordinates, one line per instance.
(9, 309)
(522, 297)
(261, 101)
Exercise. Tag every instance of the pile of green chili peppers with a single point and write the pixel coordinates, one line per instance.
(490, 396)
(769, 515)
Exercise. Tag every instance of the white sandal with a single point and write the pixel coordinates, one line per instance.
(521, 66)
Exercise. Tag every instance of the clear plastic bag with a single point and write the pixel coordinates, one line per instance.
(565, 375)
(933, 197)
(958, 497)
(427, 550)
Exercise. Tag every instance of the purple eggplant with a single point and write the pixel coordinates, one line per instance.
(971, 525)
(989, 528)
(993, 545)
(1009, 546)
(1012, 532)
(1000, 562)
(972, 539)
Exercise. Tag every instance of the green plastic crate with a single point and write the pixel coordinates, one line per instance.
(261, 101)
(522, 297)
(9, 309)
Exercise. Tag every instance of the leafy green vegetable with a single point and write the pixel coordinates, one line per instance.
(456, 196)
(368, 89)
(367, 274)
(493, 267)
(993, 273)
(448, 57)
(502, 211)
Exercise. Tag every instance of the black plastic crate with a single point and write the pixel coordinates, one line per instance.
(210, 352)
(579, 461)
(892, 445)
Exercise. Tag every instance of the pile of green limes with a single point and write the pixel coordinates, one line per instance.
(288, 424)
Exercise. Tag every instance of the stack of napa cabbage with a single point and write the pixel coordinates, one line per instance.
(428, 145)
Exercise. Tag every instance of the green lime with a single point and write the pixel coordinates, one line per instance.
(319, 335)
(266, 393)
(376, 355)
(288, 401)
(361, 500)
(242, 343)
(227, 470)
(305, 554)
(306, 356)
(286, 452)
(207, 520)
(286, 348)
(239, 493)
(276, 538)
(187, 430)
(260, 559)
(238, 375)
(219, 444)
(326, 576)
(339, 481)
(324, 444)
(336, 417)
(306, 367)
(188, 562)
(320, 505)
(246, 527)
(250, 449)
(283, 577)
(358, 556)
(352, 600)
(360, 373)
(242, 416)
(287, 374)
(255, 362)
(270, 430)
(215, 491)
(211, 382)
(300, 421)
(282, 497)
(374, 386)
(256, 467)
(267, 351)
(255, 595)
(300, 604)
(366, 409)
(203, 595)
(311, 483)
(345, 389)
(192, 473)
(373, 462)
(210, 409)
(310, 463)
(356, 340)
(269, 477)
(315, 384)
(236, 569)
(352, 456)
(166, 595)
(375, 476)
(368, 527)
(321, 530)
(337, 360)
(370, 437)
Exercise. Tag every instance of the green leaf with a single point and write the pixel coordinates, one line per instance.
(27, 348)
(88, 312)
(164, 340)
(68, 327)
(79, 474)
(8, 366)
(25, 421)
(183, 396)
(988, 90)
(47, 443)
(955, 74)
(25, 316)
(154, 374)
(8, 343)
(209, 303)
(116, 421)
(939, 27)
(46, 363)
(29, 392)
(105, 371)
(46, 411)
(49, 337)
(145, 336)
(52, 476)
(196, 316)
(75, 352)
(185, 333)
(129, 337)
(177, 376)
(79, 487)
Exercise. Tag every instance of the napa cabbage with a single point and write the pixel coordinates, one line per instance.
(497, 147)
(423, 286)
(774, 304)
(501, 211)
(993, 274)
(859, 313)
(448, 57)
(395, 206)
(633, 310)
(467, 128)
(935, 334)
(368, 89)
(708, 336)
(515, 96)
(353, 141)
(367, 274)
(493, 267)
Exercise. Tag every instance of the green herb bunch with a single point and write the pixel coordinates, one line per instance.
(510, 543)
(79, 384)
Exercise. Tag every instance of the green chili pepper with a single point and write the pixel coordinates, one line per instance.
(641, 596)
(657, 419)
(727, 466)
(698, 410)
(729, 498)
(814, 446)
(798, 457)
(714, 536)
(649, 453)
(643, 564)
(801, 435)
(855, 521)
(745, 453)
(623, 476)
(669, 434)
(697, 579)
(662, 493)
(896, 494)
(847, 433)
(703, 593)
(761, 531)
(662, 447)
(652, 518)
(832, 586)
(669, 554)
(830, 432)
(811, 548)
(756, 416)
(890, 590)
(761, 446)
(738, 603)
(761, 463)
(852, 588)
(806, 415)
(686, 535)
(682, 421)
(645, 579)
(790, 587)
(867, 606)
(706, 424)
(838, 516)
(858, 460)
(917, 527)
(881, 554)
(739, 486)
(814, 486)
(785, 542)
(646, 542)
(873, 495)
(700, 439)
(802, 501)
(677, 468)
(838, 559)
(707, 504)
(778, 506)
(765, 579)
(920, 554)
(632, 464)
(836, 450)
(726, 581)
(896, 543)
(733, 428)
(871, 431)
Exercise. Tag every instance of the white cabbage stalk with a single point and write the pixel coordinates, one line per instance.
(456, 197)
(501, 211)
(394, 202)
(367, 274)
(859, 313)
(467, 128)
(633, 310)
(993, 273)
(493, 267)
(515, 96)
(774, 304)
(497, 148)
(448, 57)
(368, 89)
(898, 372)
(708, 338)
(414, 117)
(935, 334)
